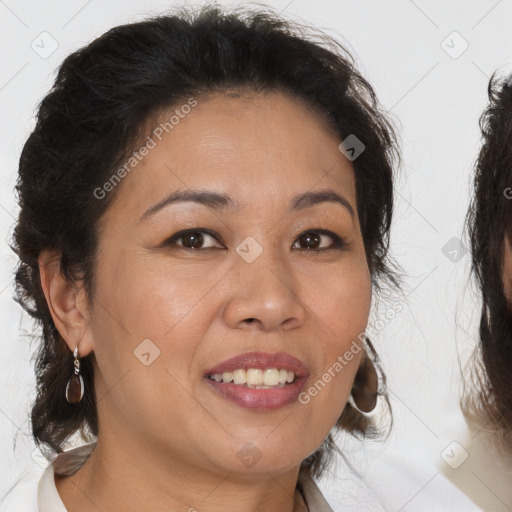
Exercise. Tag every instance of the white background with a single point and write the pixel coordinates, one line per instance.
(437, 100)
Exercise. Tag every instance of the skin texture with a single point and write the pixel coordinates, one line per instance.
(167, 441)
(507, 268)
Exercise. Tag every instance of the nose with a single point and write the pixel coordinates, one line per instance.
(263, 295)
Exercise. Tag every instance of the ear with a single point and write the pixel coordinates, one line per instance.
(67, 304)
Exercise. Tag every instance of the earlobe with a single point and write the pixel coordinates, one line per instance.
(65, 302)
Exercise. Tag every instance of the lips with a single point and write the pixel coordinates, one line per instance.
(262, 361)
(258, 398)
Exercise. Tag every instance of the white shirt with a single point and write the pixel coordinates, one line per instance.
(47, 499)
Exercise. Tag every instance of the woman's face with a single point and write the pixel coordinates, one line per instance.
(168, 309)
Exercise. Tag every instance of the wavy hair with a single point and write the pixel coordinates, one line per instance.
(489, 223)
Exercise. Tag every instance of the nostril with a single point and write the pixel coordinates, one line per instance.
(250, 320)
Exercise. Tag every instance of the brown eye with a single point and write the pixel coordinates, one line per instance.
(315, 240)
(195, 240)
(192, 240)
(309, 240)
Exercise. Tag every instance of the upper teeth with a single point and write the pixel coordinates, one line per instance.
(256, 377)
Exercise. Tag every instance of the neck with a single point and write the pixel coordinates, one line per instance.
(117, 467)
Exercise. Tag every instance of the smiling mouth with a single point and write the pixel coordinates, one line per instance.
(259, 380)
(256, 378)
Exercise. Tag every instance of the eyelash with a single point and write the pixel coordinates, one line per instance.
(338, 242)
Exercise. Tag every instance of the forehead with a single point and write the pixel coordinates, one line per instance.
(256, 147)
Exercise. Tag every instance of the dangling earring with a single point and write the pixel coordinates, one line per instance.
(75, 385)
(365, 390)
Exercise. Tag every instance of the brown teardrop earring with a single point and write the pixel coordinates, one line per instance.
(75, 385)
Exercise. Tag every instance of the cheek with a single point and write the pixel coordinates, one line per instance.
(137, 301)
(341, 299)
(507, 268)
(151, 296)
(143, 298)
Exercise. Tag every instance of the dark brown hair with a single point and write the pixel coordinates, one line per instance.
(489, 220)
(89, 122)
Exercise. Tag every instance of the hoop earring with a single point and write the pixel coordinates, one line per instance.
(352, 402)
(75, 385)
(365, 390)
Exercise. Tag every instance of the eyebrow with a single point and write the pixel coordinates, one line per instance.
(219, 201)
